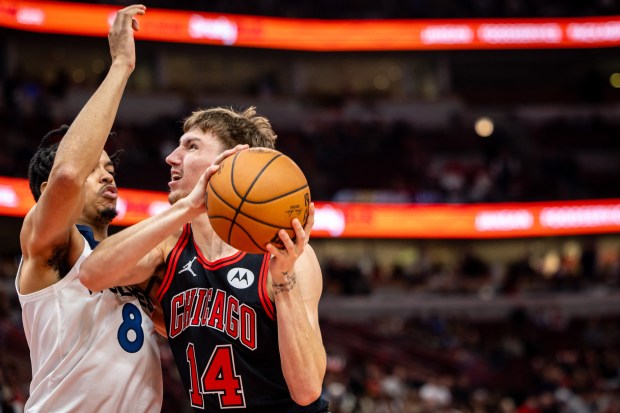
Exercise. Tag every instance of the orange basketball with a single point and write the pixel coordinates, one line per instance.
(253, 195)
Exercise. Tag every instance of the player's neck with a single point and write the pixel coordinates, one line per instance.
(100, 232)
(211, 246)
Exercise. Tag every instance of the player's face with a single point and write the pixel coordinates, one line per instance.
(196, 151)
(100, 193)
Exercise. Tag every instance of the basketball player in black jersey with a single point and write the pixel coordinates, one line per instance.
(243, 328)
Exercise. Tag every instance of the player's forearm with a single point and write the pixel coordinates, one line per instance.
(301, 349)
(77, 155)
(79, 151)
(112, 261)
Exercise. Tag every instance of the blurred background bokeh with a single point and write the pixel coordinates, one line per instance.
(525, 325)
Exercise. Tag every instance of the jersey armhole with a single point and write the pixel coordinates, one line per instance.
(262, 288)
(172, 260)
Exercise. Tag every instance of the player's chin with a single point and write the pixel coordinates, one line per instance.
(106, 215)
(176, 196)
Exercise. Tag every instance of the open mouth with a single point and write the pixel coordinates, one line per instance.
(109, 192)
(174, 177)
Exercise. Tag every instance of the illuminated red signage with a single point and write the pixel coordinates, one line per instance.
(358, 220)
(317, 35)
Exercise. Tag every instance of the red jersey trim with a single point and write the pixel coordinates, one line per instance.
(172, 262)
(222, 262)
(262, 288)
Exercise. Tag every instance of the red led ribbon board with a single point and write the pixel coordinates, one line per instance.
(358, 220)
(317, 35)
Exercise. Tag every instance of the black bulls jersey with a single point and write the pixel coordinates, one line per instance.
(223, 333)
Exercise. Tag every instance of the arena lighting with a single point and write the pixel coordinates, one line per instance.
(484, 127)
(317, 35)
(362, 220)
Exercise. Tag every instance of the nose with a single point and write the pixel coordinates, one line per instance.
(173, 158)
(107, 177)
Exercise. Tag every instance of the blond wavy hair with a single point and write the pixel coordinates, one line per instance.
(233, 127)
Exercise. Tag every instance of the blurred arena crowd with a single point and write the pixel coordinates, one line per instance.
(369, 160)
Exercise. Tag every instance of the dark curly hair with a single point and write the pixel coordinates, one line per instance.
(42, 161)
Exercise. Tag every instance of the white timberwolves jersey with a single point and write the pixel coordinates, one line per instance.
(90, 352)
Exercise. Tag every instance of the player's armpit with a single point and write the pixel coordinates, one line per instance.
(158, 321)
(151, 288)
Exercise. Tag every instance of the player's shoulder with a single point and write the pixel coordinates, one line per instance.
(35, 246)
(27, 231)
(43, 265)
(171, 242)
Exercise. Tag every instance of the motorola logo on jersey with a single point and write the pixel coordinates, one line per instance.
(240, 278)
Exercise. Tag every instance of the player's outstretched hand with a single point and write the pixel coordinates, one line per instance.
(120, 37)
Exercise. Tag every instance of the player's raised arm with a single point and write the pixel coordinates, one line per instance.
(49, 239)
(62, 200)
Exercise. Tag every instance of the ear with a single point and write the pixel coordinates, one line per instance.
(43, 186)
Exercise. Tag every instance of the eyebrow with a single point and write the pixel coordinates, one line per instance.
(188, 140)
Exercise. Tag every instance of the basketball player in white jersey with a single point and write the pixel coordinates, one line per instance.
(91, 351)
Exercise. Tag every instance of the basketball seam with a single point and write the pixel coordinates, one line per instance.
(301, 188)
(245, 214)
(244, 230)
(220, 198)
(232, 182)
(253, 218)
(250, 217)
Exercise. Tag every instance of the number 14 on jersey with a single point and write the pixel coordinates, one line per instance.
(218, 377)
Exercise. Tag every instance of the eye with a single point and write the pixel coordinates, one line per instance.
(111, 172)
(193, 146)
